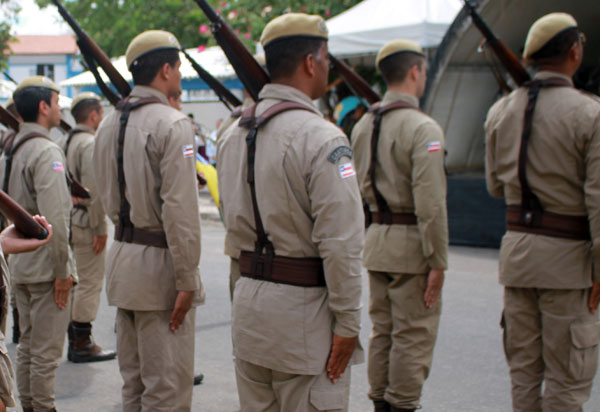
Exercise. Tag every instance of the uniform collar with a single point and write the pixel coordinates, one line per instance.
(544, 74)
(29, 127)
(84, 128)
(391, 97)
(146, 91)
(282, 92)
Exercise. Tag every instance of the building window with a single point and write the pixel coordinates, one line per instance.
(45, 70)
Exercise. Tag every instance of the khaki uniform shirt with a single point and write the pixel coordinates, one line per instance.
(563, 170)
(308, 210)
(79, 163)
(162, 191)
(39, 184)
(410, 176)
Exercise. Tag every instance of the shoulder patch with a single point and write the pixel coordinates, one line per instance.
(188, 150)
(58, 167)
(339, 152)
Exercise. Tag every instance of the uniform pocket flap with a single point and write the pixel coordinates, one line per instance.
(585, 335)
(326, 400)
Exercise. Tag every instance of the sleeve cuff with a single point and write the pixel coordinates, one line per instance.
(188, 280)
(347, 324)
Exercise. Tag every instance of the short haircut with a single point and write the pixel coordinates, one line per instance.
(147, 66)
(27, 101)
(82, 110)
(557, 49)
(285, 55)
(395, 67)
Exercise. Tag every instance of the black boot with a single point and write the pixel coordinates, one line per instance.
(70, 337)
(381, 406)
(198, 379)
(16, 329)
(394, 409)
(84, 348)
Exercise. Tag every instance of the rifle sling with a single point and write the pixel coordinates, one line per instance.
(385, 216)
(531, 212)
(262, 265)
(10, 152)
(125, 231)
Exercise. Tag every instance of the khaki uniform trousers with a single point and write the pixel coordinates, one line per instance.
(267, 390)
(550, 337)
(156, 364)
(43, 327)
(90, 269)
(234, 275)
(403, 337)
(6, 375)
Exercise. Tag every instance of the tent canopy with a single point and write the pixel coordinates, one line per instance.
(366, 27)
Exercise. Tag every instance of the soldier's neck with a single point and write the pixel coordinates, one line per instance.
(405, 88)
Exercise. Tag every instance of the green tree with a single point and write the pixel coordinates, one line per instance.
(8, 12)
(113, 23)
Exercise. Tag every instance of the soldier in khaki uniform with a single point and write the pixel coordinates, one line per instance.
(88, 232)
(11, 242)
(33, 173)
(543, 158)
(296, 307)
(147, 184)
(406, 244)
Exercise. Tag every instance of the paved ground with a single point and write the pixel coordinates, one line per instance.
(469, 373)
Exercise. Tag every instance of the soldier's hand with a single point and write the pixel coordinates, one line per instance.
(435, 281)
(341, 352)
(13, 241)
(99, 243)
(62, 287)
(183, 303)
(594, 298)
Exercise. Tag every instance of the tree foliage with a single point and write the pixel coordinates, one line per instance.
(113, 23)
(8, 12)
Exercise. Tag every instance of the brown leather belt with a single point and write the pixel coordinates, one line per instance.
(306, 272)
(141, 237)
(548, 224)
(396, 218)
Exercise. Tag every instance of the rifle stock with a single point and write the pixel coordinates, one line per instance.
(99, 56)
(223, 92)
(357, 84)
(250, 73)
(22, 220)
(8, 119)
(509, 60)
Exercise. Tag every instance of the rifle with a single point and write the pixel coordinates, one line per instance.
(8, 119)
(94, 54)
(508, 59)
(223, 92)
(22, 220)
(250, 73)
(357, 84)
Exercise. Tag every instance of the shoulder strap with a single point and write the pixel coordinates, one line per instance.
(384, 211)
(126, 107)
(10, 152)
(253, 123)
(70, 135)
(530, 203)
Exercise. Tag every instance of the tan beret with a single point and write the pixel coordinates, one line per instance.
(294, 24)
(398, 46)
(544, 29)
(37, 81)
(84, 96)
(147, 42)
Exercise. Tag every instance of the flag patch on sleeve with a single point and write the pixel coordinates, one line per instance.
(58, 167)
(188, 150)
(434, 146)
(347, 170)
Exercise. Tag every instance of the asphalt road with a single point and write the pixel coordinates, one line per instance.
(468, 374)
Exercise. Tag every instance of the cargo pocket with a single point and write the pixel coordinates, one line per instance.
(583, 357)
(504, 337)
(327, 400)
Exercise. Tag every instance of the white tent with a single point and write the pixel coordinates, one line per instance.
(212, 60)
(366, 27)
